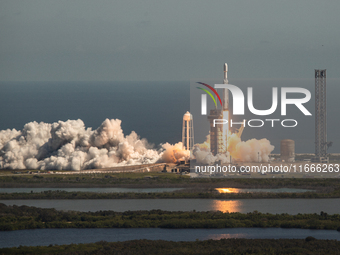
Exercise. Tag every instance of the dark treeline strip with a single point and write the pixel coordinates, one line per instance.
(163, 180)
(25, 217)
(309, 246)
(198, 193)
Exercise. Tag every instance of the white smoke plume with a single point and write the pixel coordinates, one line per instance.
(202, 154)
(205, 157)
(252, 150)
(70, 146)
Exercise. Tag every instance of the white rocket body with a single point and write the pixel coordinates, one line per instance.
(225, 91)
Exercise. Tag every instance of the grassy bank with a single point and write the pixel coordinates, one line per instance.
(309, 246)
(25, 217)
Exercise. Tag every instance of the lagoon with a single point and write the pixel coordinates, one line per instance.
(274, 206)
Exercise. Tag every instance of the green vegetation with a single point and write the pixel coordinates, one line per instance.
(185, 193)
(95, 179)
(25, 217)
(159, 180)
(194, 188)
(308, 246)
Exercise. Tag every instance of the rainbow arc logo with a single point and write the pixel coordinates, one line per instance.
(209, 93)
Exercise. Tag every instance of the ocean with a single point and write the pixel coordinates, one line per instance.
(154, 110)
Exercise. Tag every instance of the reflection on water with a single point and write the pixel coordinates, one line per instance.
(227, 236)
(226, 205)
(290, 206)
(141, 190)
(281, 190)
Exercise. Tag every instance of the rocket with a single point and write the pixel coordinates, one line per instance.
(225, 91)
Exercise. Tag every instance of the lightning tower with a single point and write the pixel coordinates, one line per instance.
(321, 144)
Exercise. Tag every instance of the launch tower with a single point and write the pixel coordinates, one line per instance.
(218, 134)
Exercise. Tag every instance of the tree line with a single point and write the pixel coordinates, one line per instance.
(26, 217)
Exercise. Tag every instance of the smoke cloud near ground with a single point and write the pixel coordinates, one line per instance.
(252, 150)
(70, 145)
(174, 153)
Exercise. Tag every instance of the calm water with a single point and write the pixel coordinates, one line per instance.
(67, 236)
(290, 206)
(98, 190)
(282, 190)
(144, 190)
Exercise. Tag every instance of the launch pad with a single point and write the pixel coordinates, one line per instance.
(216, 132)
